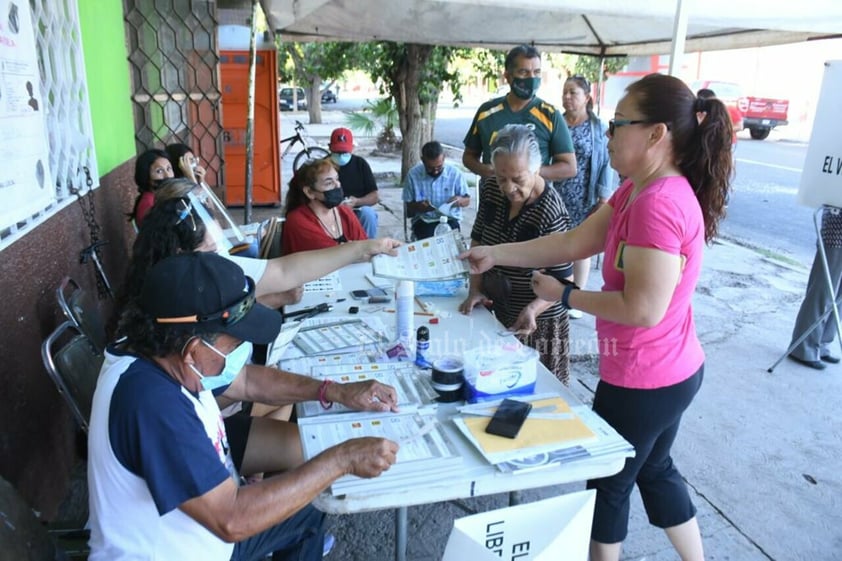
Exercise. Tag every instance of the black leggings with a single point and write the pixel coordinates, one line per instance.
(649, 420)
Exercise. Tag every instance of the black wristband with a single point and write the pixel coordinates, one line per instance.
(565, 296)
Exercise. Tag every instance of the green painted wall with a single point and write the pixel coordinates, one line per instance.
(107, 68)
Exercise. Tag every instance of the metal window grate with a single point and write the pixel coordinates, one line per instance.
(65, 96)
(175, 87)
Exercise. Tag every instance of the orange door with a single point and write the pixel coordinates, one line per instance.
(266, 173)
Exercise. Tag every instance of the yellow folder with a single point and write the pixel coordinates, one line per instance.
(534, 432)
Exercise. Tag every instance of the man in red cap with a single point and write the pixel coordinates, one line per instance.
(356, 179)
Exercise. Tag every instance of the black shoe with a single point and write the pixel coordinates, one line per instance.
(817, 364)
(830, 359)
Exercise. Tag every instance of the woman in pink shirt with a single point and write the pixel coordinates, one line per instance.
(674, 151)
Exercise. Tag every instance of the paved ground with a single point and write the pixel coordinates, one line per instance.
(761, 452)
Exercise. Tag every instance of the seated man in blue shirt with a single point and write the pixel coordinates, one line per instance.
(161, 481)
(430, 184)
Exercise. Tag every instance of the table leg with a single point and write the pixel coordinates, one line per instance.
(400, 533)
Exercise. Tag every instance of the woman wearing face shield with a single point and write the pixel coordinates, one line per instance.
(316, 217)
(276, 277)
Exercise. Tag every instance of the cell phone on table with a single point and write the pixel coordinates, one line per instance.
(366, 293)
(508, 418)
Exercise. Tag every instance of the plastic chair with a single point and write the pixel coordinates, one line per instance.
(74, 367)
(269, 233)
(81, 312)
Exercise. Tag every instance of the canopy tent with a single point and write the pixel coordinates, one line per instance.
(597, 27)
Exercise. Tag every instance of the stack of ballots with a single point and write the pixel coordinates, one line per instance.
(553, 433)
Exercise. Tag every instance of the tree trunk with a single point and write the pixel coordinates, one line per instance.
(429, 121)
(314, 99)
(405, 81)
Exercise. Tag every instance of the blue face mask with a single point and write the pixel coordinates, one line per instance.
(341, 159)
(234, 362)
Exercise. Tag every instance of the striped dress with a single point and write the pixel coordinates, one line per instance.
(541, 217)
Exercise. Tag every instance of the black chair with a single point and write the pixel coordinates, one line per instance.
(73, 363)
(81, 311)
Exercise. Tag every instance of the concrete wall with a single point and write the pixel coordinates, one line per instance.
(37, 441)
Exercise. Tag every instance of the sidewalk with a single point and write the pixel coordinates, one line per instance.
(761, 452)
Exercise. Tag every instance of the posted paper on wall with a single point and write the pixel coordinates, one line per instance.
(26, 184)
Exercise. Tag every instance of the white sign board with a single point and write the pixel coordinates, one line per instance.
(548, 530)
(821, 180)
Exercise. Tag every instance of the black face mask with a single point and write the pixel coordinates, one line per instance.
(333, 198)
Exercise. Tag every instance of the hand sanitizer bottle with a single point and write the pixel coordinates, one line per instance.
(405, 314)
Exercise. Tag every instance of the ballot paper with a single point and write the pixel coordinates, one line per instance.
(446, 209)
(414, 389)
(424, 260)
(328, 283)
(425, 450)
(346, 336)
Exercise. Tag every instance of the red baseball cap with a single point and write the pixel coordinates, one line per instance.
(341, 140)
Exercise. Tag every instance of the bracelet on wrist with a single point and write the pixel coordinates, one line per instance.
(565, 295)
(323, 394)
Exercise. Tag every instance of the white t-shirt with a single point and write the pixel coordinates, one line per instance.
(152, 446)
(252, 267)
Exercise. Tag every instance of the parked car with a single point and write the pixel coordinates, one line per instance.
(329, 96)
(759, 114)
(285, 100)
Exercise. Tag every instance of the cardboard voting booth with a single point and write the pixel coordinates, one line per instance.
(548, 530)
(821, 180)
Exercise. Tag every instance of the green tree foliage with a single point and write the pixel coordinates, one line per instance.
(413, 75)
(588, 66)
(311, 64)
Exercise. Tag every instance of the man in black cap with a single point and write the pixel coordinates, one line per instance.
(161, 480)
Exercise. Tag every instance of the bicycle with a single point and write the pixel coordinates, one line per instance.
(309, 151)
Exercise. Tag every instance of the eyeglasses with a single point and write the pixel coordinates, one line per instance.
(229, 316)
(615, 124)
(185, 211)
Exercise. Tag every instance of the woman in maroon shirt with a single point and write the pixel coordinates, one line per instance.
(316, 217)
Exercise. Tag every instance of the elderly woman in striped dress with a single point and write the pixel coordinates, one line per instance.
(517, 205)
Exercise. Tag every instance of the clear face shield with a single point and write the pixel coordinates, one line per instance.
(218, 223)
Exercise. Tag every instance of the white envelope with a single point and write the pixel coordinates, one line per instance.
(547, 530)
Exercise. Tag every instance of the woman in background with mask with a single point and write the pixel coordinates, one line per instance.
(316, 217)
(150, 169)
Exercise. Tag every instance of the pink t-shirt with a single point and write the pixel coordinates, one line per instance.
(664, 216)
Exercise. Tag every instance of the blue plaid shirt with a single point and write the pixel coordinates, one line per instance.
(419, 186)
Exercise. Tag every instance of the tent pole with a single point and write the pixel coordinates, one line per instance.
(599, 83)
(250, 115)
(679, 34)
